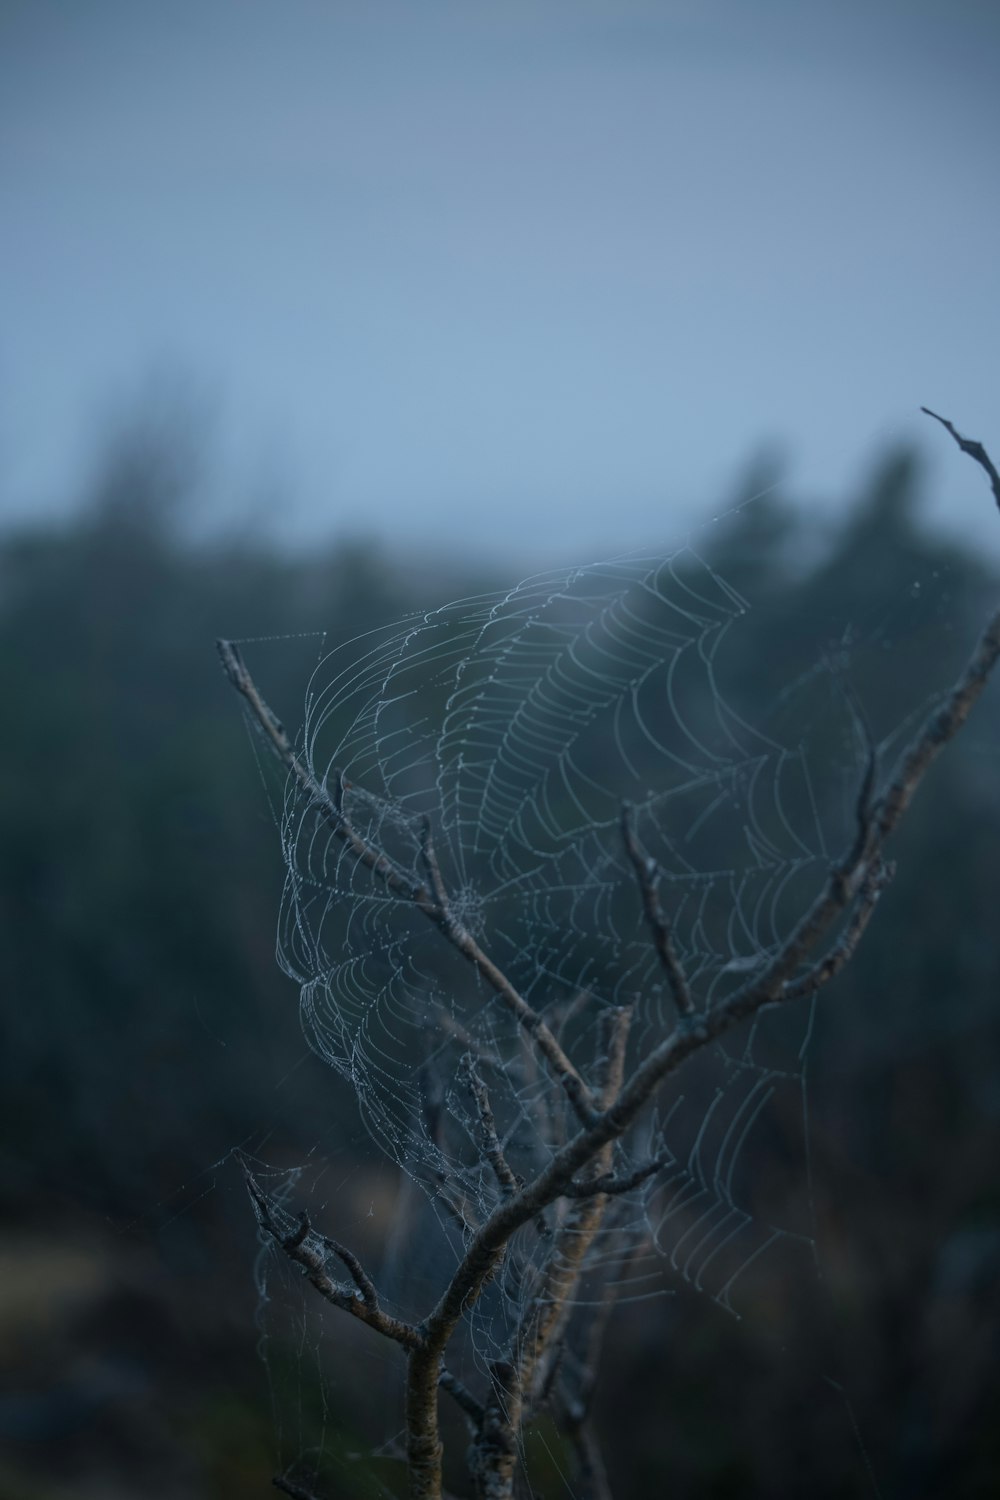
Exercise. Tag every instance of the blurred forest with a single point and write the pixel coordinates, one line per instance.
(148, 1033)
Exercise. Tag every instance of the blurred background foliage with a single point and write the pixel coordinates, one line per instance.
(148, 1032)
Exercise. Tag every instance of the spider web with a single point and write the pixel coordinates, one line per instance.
(515, 726)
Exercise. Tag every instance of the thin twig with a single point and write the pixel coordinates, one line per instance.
(357, 1272)
(519, 1379)
(597, 1326)
(329, 807)
(562, 1014)
(612, 1042)
(431, 865)
(864, 803)
(941, 727)
(614, 1185)
(302, 1245)
(363, 1303)
(293, 1241)
(465, 1039)
(459, 936)
(457, 1206)
(489, 1140)
(830, 966)
(648, 875)
(461, 1212)
(462, 1396)
(975, 451)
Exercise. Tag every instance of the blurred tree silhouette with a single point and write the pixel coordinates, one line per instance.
(129, 945)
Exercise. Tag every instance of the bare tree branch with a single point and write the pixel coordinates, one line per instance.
(561, 1015)
(462, 1396)
(875, 882)
(940, 728)
(489, 1140)
(542, 1325)
(576, 1090)
(975, 451)
(612, 1185)
(358, 1274)
(447, 1192)
(300, 1245)
(581, 1368)
(460, 1210)
(431, 865)
(613, 1028)
(864, 804)
(465, 1039)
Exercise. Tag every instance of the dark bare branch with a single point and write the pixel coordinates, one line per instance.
(975, 451)
(293, 1241)
(577, 1372)
(330, 807)
(576, 1090)
(863, 806)
(462, 1396)
(561, 1015)
(587, 1361)
(941, 727)
(488, 1138)
(875, 882)
(521, 1380)
(456, 1205)
(866, 796)
(311, 1252)
(613, 1185)
(612, 1042)
(431, 865)
(356, 1270)
(648, 875)
(468, 1043)
(534, 1025)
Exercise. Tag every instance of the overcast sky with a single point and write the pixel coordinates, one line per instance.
(526, 277)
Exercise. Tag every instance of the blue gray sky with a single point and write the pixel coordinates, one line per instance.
(521, 277)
